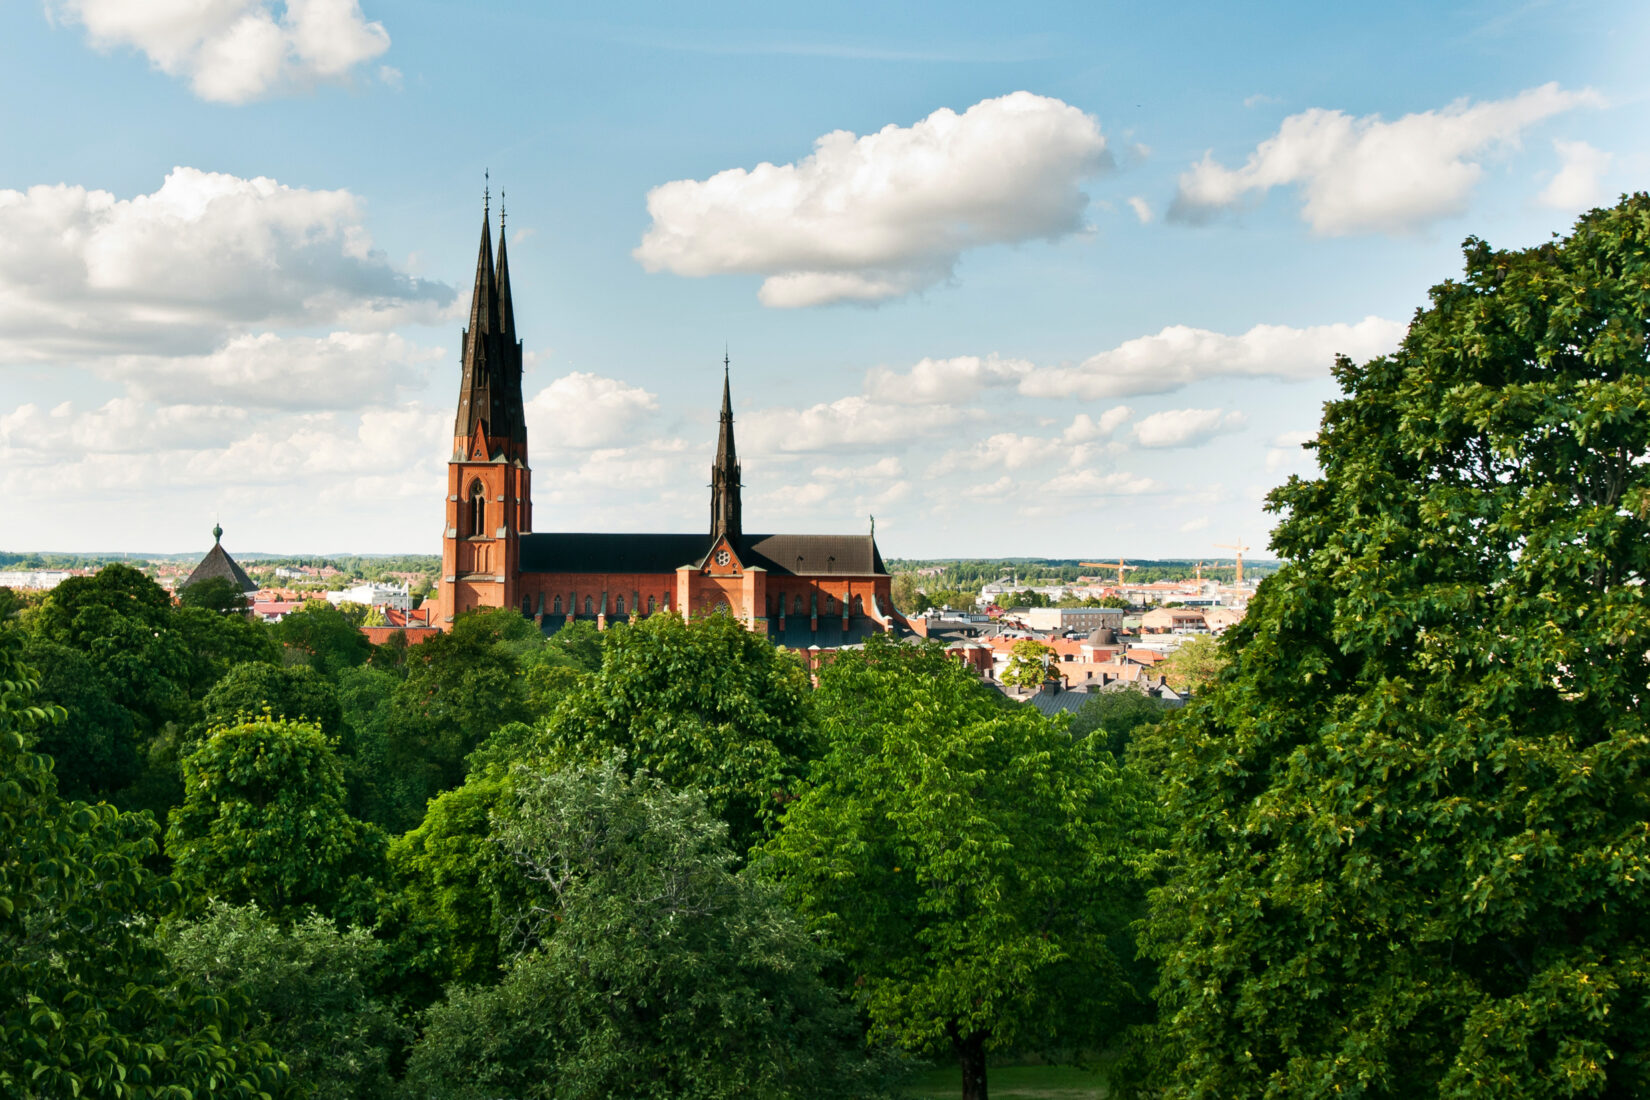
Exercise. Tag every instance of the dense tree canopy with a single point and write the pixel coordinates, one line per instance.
(263, 820)
(970, 861)
(87, 1004)
(1411, 847)
(648, 966)
(704, 704)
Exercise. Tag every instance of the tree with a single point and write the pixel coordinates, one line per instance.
(263, 820)
(88, 1006)
(1027, 664)
(216, 642)
(323, 636)
(308, 988)
(460, 687)
(1409, 851)
(214, 594)
(703, 704)
(969, 860)
(1196, 664)
(250, 689)
(1113, 717)
(649, 967)
(92, 742)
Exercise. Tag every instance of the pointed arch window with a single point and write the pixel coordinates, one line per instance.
(618, 605)
(589, 607)
(797, 607)
(650, 607)
(555, 608)
(478, 510)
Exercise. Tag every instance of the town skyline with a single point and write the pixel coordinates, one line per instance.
(1057, 284)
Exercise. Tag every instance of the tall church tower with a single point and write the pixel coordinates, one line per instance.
(724, 474)
(489, 499)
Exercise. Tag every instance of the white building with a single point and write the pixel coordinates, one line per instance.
(396, 596)
(34, 578)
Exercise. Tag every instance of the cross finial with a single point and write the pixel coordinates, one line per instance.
(486, 191)
(724, 359)
(501, 210)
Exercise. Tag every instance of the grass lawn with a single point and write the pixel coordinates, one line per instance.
(1019, 1082)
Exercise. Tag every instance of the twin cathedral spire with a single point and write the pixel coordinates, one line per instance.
(489, 394)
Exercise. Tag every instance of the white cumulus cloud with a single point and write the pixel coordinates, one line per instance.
(343, 370)
(203, 258)
(1180, 355)
(1142, 209)
(873, 217)
(582, 411)
(852, 423)
(235, 51)
(1576, 186)
(944, 381)
(1367, 175)
(1186, 427)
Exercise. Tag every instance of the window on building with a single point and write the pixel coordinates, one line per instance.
(796, 608)
(555, 608)
(650, 605)
(859, 605)
(527, 606)
(618, 606)
(478, 510)
(589, 607)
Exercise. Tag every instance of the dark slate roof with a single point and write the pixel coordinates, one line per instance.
(820, 555)
(585, 552)
(830, 634)
(218, 563)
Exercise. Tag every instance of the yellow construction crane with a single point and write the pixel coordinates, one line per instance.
(1117, 565)
(1197, 571)
(1240, 548)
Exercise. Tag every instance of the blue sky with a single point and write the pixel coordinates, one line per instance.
(1048, 280)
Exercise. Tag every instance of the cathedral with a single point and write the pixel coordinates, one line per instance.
(798, 590)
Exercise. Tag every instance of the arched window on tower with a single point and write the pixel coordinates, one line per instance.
(478, 510)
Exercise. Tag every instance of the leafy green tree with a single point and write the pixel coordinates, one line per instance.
(381, 789)
(460, 687)
(323, 637)
(250, 689)
(216, 642)
(1114, 716)
(452, 882)
(1111, 601)
(309, 990)
(1409, 851)
(93, 742)
(971, 862)
(87, 1004)
(703, 704)
(214, 594)
(1196, 664)
(654, 969)
(1028, 663)
(577, 645)
(122, 621)
(263, 820)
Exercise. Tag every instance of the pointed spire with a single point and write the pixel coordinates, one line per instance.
(506, 309)
(725, 518)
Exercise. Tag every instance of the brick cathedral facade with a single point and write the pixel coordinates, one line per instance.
(799, 590)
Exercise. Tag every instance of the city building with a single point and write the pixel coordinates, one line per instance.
(217, 563)
(1062, 619)
(799, 590)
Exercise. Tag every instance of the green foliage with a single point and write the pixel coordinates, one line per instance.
(1410, 850)
(453, 882)
(970, 861)
(214, 594)
(322, 636)
(1027, 664)
(460, 687)
(703, 704)
(263, 820)
(657, 970)
(309, 991)
(121, 620)
(250, 689)
(1113, 717)
(379, 791)
(87, 1006)
(1196, 664)
(216, 643)
(93, 742)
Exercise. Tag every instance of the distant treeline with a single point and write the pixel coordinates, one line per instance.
(971, 573)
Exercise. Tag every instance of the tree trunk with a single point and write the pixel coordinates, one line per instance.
(971, 1057)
